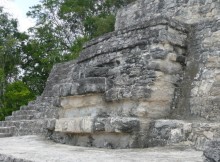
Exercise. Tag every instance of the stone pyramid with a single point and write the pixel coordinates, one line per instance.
(154, 81)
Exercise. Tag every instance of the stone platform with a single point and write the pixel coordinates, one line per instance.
(37, 149)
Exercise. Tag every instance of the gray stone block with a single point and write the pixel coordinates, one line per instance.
(92, 85)
(212, 151)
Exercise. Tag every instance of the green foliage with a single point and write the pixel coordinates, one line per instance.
(13, 93)
(37, 61)
(16, 95)
(9, 41)
(76, 48)
(93, 17)
(2, 75)
(98, 25)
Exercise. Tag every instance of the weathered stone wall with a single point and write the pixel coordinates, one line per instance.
(198, 93)
(120, 82)
(187, 11)
(162, 62)
(126, 61)
(140, 63)
(204, 99)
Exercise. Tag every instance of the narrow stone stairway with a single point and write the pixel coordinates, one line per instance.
(35, 118)
(6, 131)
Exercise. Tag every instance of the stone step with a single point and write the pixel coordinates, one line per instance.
(3, 123)
(89, 124)
(2, 135)
(6, 130)
(20, 122)
(172, 132)
(49, 113)
(24, 108)
(32, 107)
(29, 127)
(7, 118)
(36, 108)
(19, 117)
(33, 114)
(24, 112)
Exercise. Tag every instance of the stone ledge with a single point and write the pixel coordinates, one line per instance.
(88, 124)
(29, 127)
(95, 47)
(83, 86)
(157, 20)
(76, 125)
(80, 101)
(117, 124)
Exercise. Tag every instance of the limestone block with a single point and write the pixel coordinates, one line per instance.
(164, 132)
(214, 91)
(158, 53)
(153, 109)
(217, 77)
(92, 85)
(82, 86)
(51, 124)
(90, 125)
(117, 124)
(176, 135)
(205, 87)
(213, 62)
(212, 151)
(172, 57)
(75, 125)
(81, 101)
(97, 71)
(208, 134)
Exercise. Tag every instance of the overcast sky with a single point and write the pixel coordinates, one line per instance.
(19, 8)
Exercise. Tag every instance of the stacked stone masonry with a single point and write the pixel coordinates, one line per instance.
(154, 81)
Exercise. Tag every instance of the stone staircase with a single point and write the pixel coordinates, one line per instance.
(6, 131)
(36, 118)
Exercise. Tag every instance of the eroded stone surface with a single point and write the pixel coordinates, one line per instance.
(36, 149)
(212, 151)
(127, 74)
(189, 11)
(75, 125)
(193, 133)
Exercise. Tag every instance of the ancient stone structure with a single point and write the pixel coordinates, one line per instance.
(154, 81)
